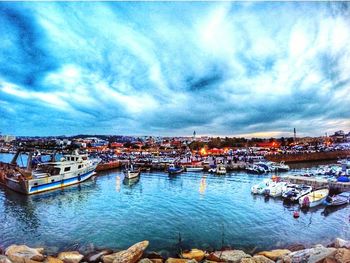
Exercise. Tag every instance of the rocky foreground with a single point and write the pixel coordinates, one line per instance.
(338, 252)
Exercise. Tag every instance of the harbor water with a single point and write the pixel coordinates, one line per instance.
(190, 210)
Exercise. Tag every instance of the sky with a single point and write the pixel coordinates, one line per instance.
(169, 68)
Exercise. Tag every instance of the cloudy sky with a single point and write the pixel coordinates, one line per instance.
(168, 68)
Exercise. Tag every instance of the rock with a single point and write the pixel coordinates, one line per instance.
(342, 255)
(4, 259)
(24, 254)
(257, 259)
(295, 247)
(234, 256)
(196, 254)
(145, 260)
(109, 258)
(214, 258)
(132, 254)
(341, 243)
(315, 254)
(96, 256)
(154, 255)
(157, 260)
(180, 260)
(70, 256)
(50, 259)
(275, 254)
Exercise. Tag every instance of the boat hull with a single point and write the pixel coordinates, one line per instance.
(131, 175)
(25, 188)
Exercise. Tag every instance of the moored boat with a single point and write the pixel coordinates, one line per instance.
(221, 169)
(261, 187)
(172, 170)
(71, 169)
(276, 189)
(314, 198)
(132, 172)
(294, 191)
(337, 200)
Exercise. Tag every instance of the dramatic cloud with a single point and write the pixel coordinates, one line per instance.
(167, 68)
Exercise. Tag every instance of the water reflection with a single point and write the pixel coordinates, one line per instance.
(131, 182)
(117, 183)
(203, 185)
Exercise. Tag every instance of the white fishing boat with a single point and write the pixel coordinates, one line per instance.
(220, 169)
(71, 169)
(132, 172)
(279, 167)
(314, 198)
(194, 169)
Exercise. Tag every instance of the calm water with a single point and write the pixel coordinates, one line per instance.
(205, 210)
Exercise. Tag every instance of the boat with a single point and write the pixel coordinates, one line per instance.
(276, 189)
(71, 169)
(261, 187)
(314, 198)
(279, 167)
(293, 192)
(337, 200)
(220, 169)
(132, 172)
(175, 169)
(194, 169)
(255, 169)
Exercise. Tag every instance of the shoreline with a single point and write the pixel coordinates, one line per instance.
(336, 252)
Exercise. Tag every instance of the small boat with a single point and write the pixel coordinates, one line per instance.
(132, 172)
(175, 169)
(276, 189)
(314, 198)
(280, 167)
(261, 187)
(220, 169)
(340, 199)
(293, 192)
(194, 169)
(255, 169)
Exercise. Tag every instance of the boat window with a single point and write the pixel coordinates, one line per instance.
(56, 171)
(79, 166)
(66, 169)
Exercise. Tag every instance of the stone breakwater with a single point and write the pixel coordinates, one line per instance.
(337, 252)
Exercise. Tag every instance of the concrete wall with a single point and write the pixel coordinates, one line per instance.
(304, 157)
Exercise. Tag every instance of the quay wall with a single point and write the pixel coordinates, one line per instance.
(108, 166)
(317, 183)
(306, 157)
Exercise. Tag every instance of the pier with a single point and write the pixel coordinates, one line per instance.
(318, 183)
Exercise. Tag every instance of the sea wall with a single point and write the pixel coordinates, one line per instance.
(306, 157)
(337, 252)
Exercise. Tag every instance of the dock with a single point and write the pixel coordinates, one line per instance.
(318, 183)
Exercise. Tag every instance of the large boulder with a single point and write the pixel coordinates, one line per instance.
(342, 255)
(196, 254)
(315, 254)
(295, 247)
(145, 260)
(97, 255)
(234, 256)
(275, 254)
(70, 256)
(24, 254)
(341, 243)
(132, 254)
(180, 260)
(4, 259)
(257, 259)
